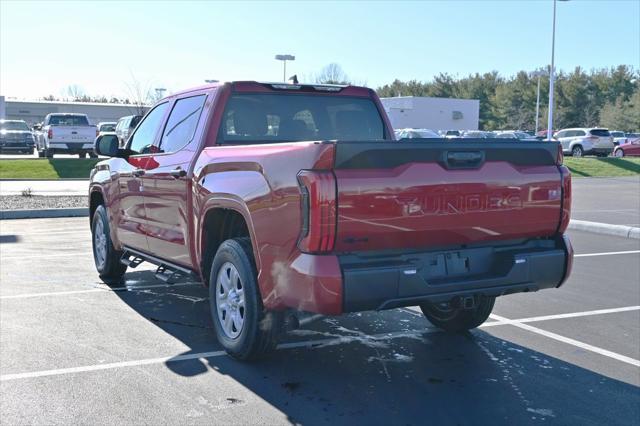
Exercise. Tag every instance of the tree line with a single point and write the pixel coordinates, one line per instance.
(601, 97)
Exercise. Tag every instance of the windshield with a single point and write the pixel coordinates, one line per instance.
(14, 125)
(68, 120)
(266, 118)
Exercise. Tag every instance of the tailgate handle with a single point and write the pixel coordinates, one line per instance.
(464, 159)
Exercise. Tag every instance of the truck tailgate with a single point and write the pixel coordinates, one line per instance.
(423, 194)
(70, 134)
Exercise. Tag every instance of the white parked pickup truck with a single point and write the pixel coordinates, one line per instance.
(66, 134)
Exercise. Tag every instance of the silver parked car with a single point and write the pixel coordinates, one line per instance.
(416, 133)
(514, 134)
(585, 140)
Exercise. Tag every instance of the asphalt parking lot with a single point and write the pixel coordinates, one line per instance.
(75, 351)
(614, 200)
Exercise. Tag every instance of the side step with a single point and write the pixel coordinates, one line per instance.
(167, 272)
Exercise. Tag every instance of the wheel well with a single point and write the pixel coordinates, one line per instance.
(95, 200)
(577, 145)
(219, 225)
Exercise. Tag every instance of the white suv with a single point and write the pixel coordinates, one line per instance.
(585, 140)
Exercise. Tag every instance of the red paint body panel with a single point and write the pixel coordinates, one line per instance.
(416, 205)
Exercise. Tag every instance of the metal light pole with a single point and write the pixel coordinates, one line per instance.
(537, 74)
(284, 59)
(552, 74)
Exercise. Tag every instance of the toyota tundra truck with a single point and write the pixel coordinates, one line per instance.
(290, 198)
(66, 134)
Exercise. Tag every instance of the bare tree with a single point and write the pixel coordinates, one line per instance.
(140, 94)
(332, 74)
(75, 92)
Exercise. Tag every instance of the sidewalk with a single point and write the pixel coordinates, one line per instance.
(45, 187)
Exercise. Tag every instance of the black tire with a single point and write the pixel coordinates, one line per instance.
(41, 154)
(93, 155)
(619, 153)
(456, 319)
(110, 269)
(48, 153)
(260, 330)
(577, 151)
(82, 155)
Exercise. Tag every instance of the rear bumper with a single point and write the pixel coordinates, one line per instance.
(601, 151)
(388, 281)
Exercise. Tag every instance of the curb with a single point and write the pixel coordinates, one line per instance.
(605, 228)
(44, 213)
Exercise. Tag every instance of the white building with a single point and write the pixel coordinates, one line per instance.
(432, 113)
(34, 111)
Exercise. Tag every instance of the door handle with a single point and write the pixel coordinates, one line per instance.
(138, 172)
(178, 173)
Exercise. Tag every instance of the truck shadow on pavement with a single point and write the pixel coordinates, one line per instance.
(388, 367)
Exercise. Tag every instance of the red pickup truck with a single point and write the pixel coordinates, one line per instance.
(286, 198)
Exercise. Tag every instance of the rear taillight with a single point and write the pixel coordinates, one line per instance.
(50, 133)
(318, 234)
(559, 156)
(565, 215)
(592, 138)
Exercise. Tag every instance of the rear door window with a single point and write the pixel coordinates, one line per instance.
(269, 118)
(182, 123)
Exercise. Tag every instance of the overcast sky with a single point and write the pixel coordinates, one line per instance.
(99, 45)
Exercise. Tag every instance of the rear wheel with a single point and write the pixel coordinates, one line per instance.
(452, 318)
(243, 327)
(577, 151)
(82, 155)
(105, 256)
(619, 153)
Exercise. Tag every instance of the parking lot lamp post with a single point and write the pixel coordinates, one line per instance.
(552, 73)
(284, 59)
(537, 74)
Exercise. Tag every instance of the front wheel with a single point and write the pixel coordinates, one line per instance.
(453, 319)
(619, 153)
(577, 151)
(242, 326)
(105, 256)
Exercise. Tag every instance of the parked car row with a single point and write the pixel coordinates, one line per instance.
(61, 133)
(576, 142)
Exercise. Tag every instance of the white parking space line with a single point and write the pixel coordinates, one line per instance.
(95, 290)
(39, 255)
(608, 253)
(579, 314)
(498, 320)
(569, 341)
(200, 355)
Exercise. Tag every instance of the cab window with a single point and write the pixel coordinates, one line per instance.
(142, 140)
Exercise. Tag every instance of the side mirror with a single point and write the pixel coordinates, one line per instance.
(106, 144)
